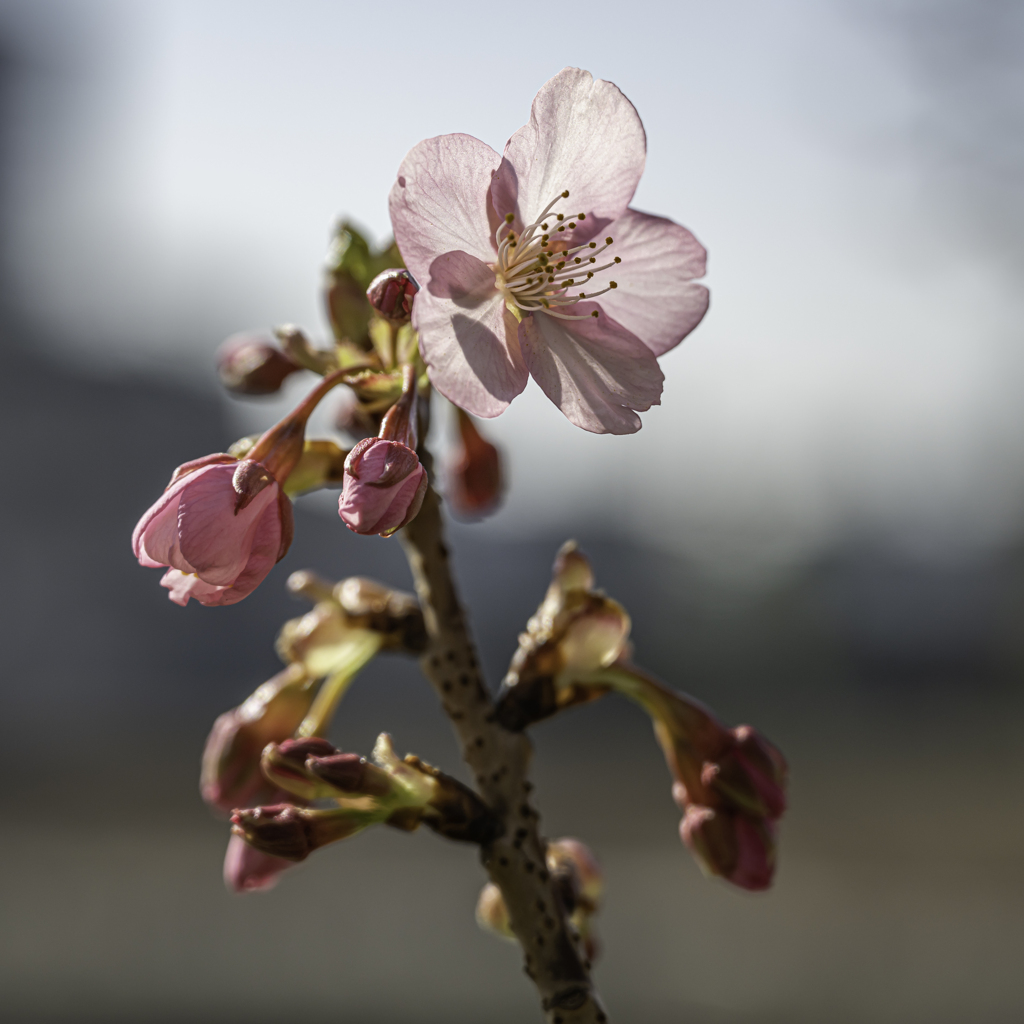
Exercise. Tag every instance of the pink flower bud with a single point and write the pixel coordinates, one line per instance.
(735, 846)
(474, 476)
(350, 774)
(284, 830)
(284, 765)
(231, 774)
(217, 541)
(252, 365)
(391, 293)
(222, 524)
(750, 776)
(247, 869)
(384, 487)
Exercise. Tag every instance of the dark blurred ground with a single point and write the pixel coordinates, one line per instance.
(892, 686)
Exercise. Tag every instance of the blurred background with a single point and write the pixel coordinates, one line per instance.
(820, 532)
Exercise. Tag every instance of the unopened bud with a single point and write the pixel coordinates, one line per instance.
(572, 569)
(750, 776)
(384, 487)
(284, 765)
(247, 869)
(737, 847)
(492, 914)
(231, 760)
(391, 293)
(568, 854)
(351, 774)
(249, 364)
(595, 637)
(575, 633)
(284, 830)
(474, 475)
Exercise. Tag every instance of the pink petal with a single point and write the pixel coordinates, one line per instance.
(263, 555)
(212, 537)
(656, 297)
(594, 370)
(265, 552)
(183, 586)
(155, 536)
(440, 202)
(584, 136)
(247, 869)
(468, 338)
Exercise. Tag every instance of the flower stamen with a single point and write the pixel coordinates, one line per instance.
(533, 275)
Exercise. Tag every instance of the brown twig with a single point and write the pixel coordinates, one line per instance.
(499, 760)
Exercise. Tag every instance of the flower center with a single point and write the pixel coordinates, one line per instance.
(538, 271)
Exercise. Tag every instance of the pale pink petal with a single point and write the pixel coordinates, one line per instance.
(440, 201)
(584, 136)
(265, 551)
(214, 538)
(594, 370)
(656, 298)
(183, 586)
(156, 534)
(247, 869)
(468, 338)
(263, 555)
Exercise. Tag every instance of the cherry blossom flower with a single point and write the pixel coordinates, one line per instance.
(534, 264)
(217, 546)
(222, 523)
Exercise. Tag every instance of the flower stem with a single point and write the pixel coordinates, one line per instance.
(499, 760)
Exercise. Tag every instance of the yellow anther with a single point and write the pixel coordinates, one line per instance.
(509, 218)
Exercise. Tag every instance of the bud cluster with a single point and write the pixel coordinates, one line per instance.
(575, 632)
(403, 793)
(730, 783)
